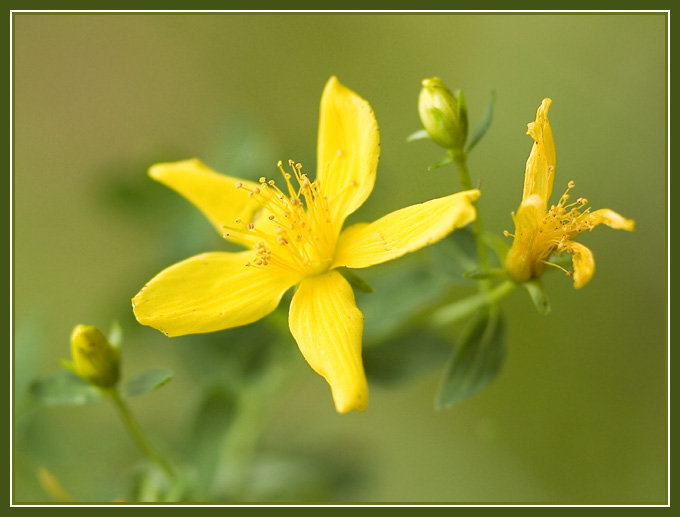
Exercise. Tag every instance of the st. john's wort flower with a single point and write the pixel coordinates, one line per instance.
(540, 231)
(293, 236)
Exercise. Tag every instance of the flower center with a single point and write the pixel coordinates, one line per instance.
(565, 221)
(293, 231)
(560, 225)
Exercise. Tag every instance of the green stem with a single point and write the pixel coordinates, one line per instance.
(462, 308)
(137, 434)
(460, 158)
(238, 448)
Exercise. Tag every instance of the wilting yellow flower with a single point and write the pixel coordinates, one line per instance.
(540, 231)
(294, 237)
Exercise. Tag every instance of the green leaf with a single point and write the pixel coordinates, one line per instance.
(441, 163)
(421, 134)
(63, 388)
(405, 356)
(538, 296)
(462, 114)
(115, 335)
(476, 360)
(484, 124)
(358, 283)
(213, 421)
(498, 244)
(455, 256)
(146, 382)
(402, 292)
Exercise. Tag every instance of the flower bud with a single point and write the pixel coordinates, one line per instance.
(94, 358)
(443, 114)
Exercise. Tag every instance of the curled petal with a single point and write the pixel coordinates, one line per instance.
(522, 262)
(611, 219)
(583, 262)
(404, 231)
(209, 292)
(327, 326)
(213, 194)
(348, 150)
(540, 168)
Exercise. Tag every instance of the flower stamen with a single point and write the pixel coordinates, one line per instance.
(294, 232)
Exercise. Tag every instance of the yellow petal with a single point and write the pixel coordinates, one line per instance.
(327, 326)
(522, 262)
(209, 292)
(611, 219)
(348, 150)
(540, 168)
(213, 194)
(405, 230)
(583, 262)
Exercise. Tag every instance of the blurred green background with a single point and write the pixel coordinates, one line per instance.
(579, 412)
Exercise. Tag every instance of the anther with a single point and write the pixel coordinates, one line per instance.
(238, 184)
(571, 184)
(250, 226)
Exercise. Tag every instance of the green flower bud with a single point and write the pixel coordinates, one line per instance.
(94, 358)
(443, 114)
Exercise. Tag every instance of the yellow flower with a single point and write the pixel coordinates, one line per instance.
(293, 236)
(540, 231)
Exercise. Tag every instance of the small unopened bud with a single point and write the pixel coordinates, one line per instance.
(94, 358)
(443, 114)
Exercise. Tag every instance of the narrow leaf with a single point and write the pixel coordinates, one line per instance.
(146, 382)
(475, 361)
(115, 336)
(455, 256)
(63, 388)
(402, 293)
(462, 114)
(538, 296)
(418, 135)
(358, 283)
(441, 163)
(484, 124)
(498, 244)
(213, 421)
(405, 356)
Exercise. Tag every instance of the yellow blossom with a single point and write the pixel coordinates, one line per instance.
(539, 230)
(294, 235)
